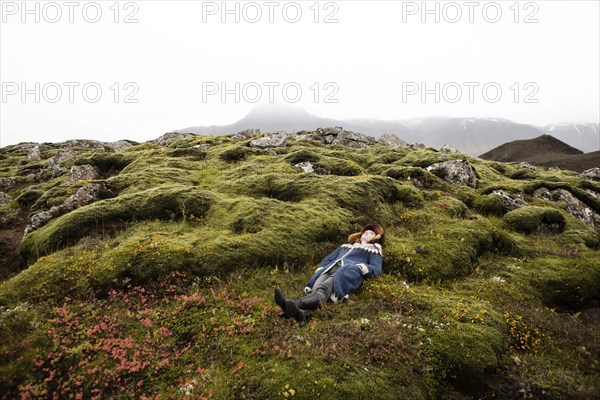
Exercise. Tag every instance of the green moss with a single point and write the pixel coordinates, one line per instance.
(452, 207)
(415, 174)
(237, 153)
(164, 202)
(530, 219)
(423, 158)
(466, 354)
(190, 153)
(106, 162)
(564, 283)
(339, 166)
(29, 197)
(524, 174)
(240, 221)
(490, 204)
(302, 155)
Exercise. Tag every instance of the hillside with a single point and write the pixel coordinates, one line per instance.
(147, 271)
(545, 151)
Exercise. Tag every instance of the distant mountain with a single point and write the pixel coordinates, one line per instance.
(544, 151)
(269, 118)
(582, 135)
(470, 135)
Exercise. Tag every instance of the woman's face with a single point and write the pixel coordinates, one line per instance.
(367, 236)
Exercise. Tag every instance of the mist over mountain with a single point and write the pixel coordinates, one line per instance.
(582, 135)
(472, 136)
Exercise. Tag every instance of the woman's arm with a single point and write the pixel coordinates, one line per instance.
(330, 258)
(373, 266)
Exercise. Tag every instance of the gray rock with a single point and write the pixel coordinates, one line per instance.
(526, 165)
(245, 135)
(7, 183)
(449, 149)
(118, 146)
(331, 131)
(34, 154)
(202, 146)
(276, 139)
(305, 166)
(337, 135)
(510, 201)
(593, 194)
(353, 139)
(303, 137)
(391, 140)
(27, 147)
(84, 143)
(554, 169)
(83, 196)
(574, 206)
(169, 137)
(4, 198)
(41, 218)
(55, 163)
(458, 172)
(591, 174)
(84, 172)
(417, 146)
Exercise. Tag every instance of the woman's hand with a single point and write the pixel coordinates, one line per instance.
(363, 268)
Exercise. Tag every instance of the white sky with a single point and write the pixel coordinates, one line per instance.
(370, 54)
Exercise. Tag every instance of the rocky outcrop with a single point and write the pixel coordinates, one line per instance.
(592, 174)
(275, 139)
(202, 146)
(83, 172)
(574, 206)
(7, 183)
(118, 146)
(34, 154)
(245, 135)
(526, 165)
(449, 149)
(55, 164)
(391, 140)
(170, 137)
(337, 135)
(510, 201)
(305, 166)
(4, 198)
(83, 196)
(458, 172)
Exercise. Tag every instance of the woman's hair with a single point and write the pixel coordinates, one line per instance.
(376, 228)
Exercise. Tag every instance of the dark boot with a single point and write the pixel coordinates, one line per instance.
(292, 310)
(302, 308)
(280, 300)
(311, 301)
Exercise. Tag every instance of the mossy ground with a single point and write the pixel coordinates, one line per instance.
(164, 289)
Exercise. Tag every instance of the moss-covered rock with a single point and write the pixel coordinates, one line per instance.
(105, 162)
(339, 166)
(164, 202)
(567, 284)
(532, 219)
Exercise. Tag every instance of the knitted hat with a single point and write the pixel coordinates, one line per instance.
(379, 238)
